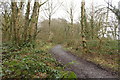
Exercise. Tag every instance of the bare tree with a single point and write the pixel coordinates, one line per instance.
(70, 11)
(21, 29)
(49, 10)
(117, 13)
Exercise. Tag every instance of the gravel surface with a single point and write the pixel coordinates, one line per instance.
(82, 68)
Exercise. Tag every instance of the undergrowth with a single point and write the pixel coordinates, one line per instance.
(104, 53)
(32, 63)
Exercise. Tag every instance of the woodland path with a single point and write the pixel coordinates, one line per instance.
(82, 68)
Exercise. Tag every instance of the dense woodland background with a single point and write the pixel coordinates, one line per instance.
(94, 36)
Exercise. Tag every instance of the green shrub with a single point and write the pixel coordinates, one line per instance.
(26, 67)
(107, 47)
(30, 63)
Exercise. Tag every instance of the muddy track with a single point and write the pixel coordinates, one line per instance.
(81, 67)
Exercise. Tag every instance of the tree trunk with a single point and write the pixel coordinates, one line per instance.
(72, 25)
(92, 28)
(49, 23)
(119, 20)
(83, 21)
(27, 21)
(119, 36)
(34, 21)
(13, 22)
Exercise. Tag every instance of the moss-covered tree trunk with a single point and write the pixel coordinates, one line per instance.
(119, 20)
(34, 22)
(17, 28)
(27, 21)
(13, 22)
(119, 36)
(83, 26)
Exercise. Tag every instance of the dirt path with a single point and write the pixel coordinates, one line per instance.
(82, 68)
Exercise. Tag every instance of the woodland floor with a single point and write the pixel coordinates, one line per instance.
(82, 68)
